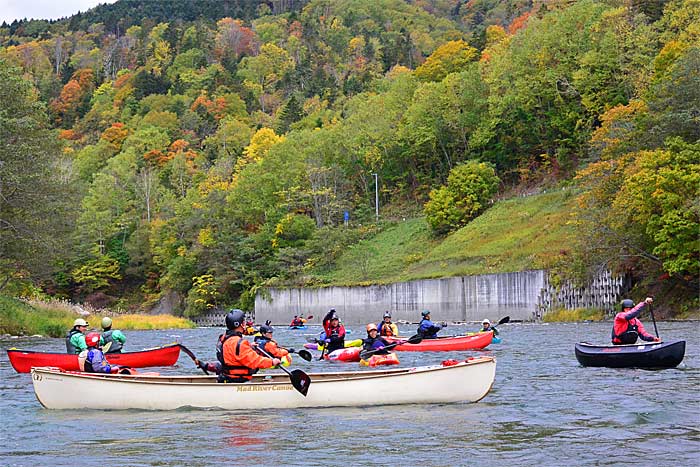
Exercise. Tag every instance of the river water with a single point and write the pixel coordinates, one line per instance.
(544, 409)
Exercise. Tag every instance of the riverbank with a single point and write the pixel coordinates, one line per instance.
(54, 319)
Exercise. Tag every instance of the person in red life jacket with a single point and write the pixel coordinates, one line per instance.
(92, 360)
(335, 332)
(627, 328)
(237, 360)
(374, 341)
(386, 327)
(265, 342)
(296, 322)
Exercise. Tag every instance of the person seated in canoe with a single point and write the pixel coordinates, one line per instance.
(92, 360)
(427, 329)
(297, 322)
(265, 342)
(335, 332)
(115, 336)
(237, 361)
(627, 327)
(374, 341)
(75, 339)
(486, 327)
(386, 327)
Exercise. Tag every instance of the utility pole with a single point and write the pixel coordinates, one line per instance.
(376, 196)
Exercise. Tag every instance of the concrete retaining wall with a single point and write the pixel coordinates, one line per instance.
(468, 298)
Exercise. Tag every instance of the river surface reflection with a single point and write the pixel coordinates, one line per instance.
(544, 409)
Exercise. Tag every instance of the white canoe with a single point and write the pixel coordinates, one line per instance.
(467, 381)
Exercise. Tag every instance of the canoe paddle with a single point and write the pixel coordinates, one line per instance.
(411, 340)
(300, 380)
(651, 310)
(192, 356)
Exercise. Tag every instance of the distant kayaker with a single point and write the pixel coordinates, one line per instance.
(92, 360)
(374, 341)
(297, 321)
(386, 327)
(75, 339)
(427, 329)
(116, 337)
(265, 342)
(237, 361)
(627, 328)
(486, 327)
(335, 332)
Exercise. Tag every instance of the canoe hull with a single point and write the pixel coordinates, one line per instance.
(23, 360)
(650, 355)
(466, 382)
(447, 344)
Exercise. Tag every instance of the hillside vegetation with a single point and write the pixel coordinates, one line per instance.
(188, 156)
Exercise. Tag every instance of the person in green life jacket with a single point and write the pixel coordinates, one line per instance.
(75, 339)
(486, 327)
(116, 337)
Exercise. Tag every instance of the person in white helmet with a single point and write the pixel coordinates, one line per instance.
(75, 339)
(486, 327)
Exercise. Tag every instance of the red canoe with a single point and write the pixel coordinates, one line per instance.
(443, 344)
(23, 360)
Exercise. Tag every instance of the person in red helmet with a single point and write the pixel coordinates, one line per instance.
(92, 360)
(627, 327)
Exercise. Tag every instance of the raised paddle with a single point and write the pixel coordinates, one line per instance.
(193, 357)
(654, 321)
(411, 340)
(300, 380)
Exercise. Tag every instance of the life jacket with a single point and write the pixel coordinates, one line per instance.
(116, 345)
(385, 329)
(70, 348)
(629, 335)
(232, 373)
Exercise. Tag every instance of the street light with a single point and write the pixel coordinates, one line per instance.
(376, 196)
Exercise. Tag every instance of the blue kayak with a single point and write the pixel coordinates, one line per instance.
(298, 327)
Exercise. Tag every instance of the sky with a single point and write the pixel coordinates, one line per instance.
(44, 9)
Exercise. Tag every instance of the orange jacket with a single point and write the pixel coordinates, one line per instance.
(272, 348)
(239, 355)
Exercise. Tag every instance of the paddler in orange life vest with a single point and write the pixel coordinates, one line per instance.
(627, 328)
(265, 342)
(237, 361)
(335, 332)
(386, 327)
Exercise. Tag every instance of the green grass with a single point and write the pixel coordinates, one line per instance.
(513, 235)
(20, 319)
(572, 316)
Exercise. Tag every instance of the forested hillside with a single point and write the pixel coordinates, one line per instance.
(206, 149)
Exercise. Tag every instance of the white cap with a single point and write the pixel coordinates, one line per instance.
(486, 321)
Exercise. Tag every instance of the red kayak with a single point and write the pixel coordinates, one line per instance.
(23, 360)
(444, 344)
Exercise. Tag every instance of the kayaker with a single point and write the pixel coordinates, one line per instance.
(486, 327)
(386, 327)
(335, 332)
(627, 328)
(116, 337)
(296, 322)
(374, 341)
(75, 339)
(265, 342)
(237, 361)
(92, 360)
(427, 329)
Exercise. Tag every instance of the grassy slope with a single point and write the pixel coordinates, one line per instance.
(513, 235)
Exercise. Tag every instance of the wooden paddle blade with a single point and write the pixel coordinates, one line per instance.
(305, 354)
(301, 381)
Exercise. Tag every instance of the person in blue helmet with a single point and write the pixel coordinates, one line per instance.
(428, 329)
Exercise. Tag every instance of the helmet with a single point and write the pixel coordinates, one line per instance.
(387, 314)
(80, 322)
(486, 321)
(627, 303)
(370, 327)
(106, 322)
(334, 316)
(265, 328)
(234, 318)
(92, 339)
(425, 313)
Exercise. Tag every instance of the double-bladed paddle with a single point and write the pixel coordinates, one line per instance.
(300, 380)
(411, 340)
